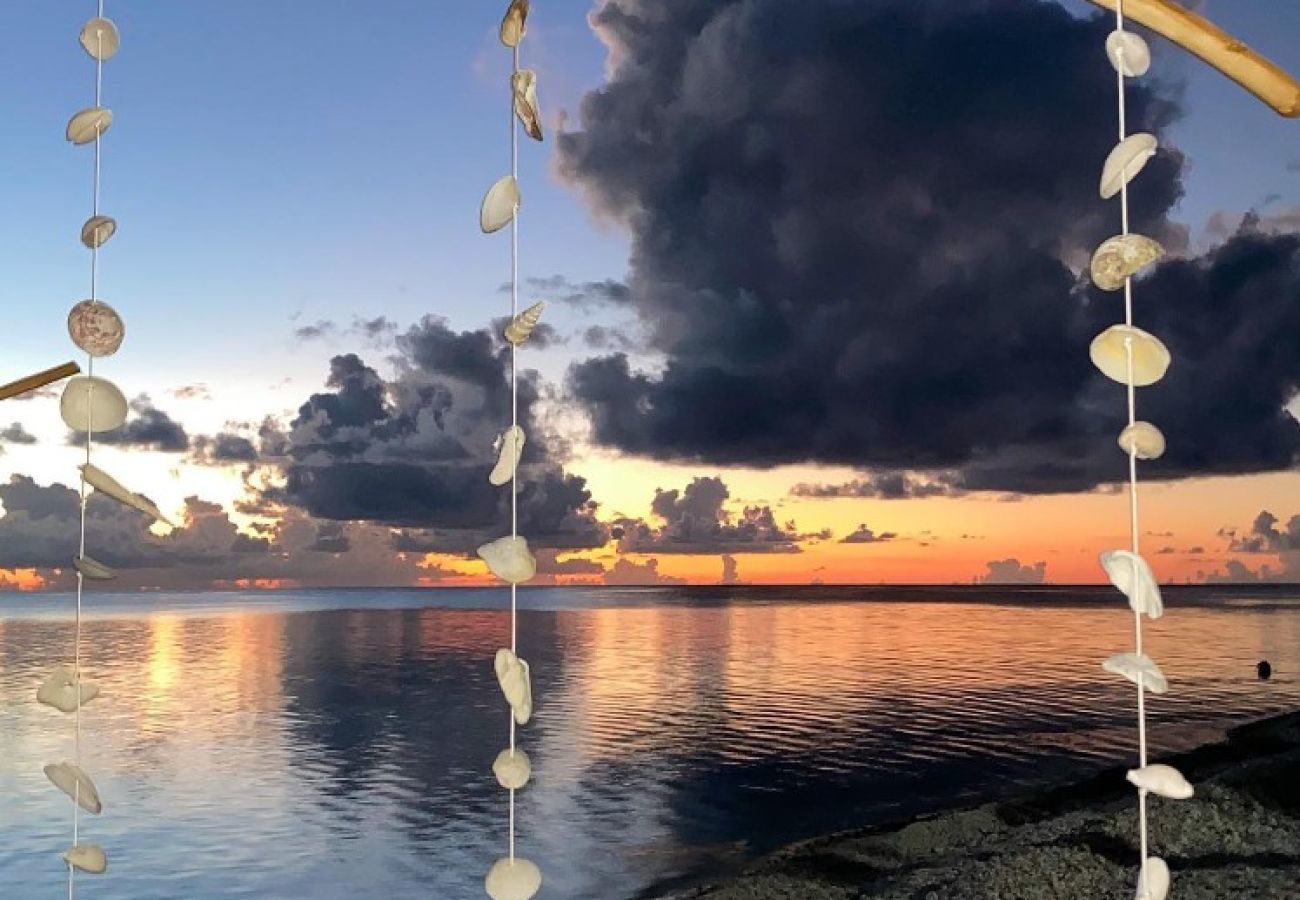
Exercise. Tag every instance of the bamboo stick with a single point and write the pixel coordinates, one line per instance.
(39, 380)
(1203, 38)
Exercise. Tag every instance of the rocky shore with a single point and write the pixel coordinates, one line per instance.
(1239, 837)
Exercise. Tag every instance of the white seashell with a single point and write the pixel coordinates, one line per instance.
(93, 569)
(1142, 439)
(73, 781)
(91, 403)
(1163, 780)
(1136, 59)
(107, 484)
(522, 325)
(514, 22)
(509, 559)
(499, 204)
(95, 327)
(510, 446)
(100, 39)
(515, 679)
(1125, 161)
(89, 124)
(97, 230)
(1150, 357)
(89, 858)
(512, 769)
(1138, 667)
(523, 86)
(513, 879)
(1153, 881)
(1121, 257)
(1131, 574)
(60, 691)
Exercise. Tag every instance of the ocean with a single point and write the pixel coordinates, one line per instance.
(338, 744)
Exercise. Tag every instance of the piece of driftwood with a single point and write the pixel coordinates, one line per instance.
(1201, 37)
(39, 380)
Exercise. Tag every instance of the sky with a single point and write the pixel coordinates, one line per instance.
(815, 310)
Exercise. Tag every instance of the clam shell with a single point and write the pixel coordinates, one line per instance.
(1150, 356)
(97, 231)
(512, 769)
(499, 204)
(1163, 780)
(93, 569)
(100, 39)
(89, 858)
(1137, 55)
(95, 327)
(515, 678)
(509, 559)
(1143, 440)
(1134, 579)
(89, 124)
(522, 325)
(513, 24)
(73, 781)
(60, 691)
(1135, 666)
(510, 448)
(91, 403)
(107, 484)
(1153, 881)
(523, 85)
(513, 879)
(1121, 257)
(1125, 161)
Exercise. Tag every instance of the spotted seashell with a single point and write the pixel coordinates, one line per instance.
(1121, 257)
(95, 327)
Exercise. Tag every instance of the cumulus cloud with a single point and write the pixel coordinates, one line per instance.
(883, 486)
(222, 448)
(625, 571)
(149, 428)
(1010, 571)
(1265, 537)
(864, 535)
(695, 521)
(870, 258)
(16, 434)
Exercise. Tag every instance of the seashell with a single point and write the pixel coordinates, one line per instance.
(509, 559)
(1136, 59)
(513, 879)
(1125, 161)
(1150, 357)
(100, 39)
(89, 124)
(1143, 440)
(89, 858)
(499, 204)
(1163, 780)
(1153, 881)
(523, 86)
(95, 327)
(1121, 257)
(1138, 668)
(97, 230)
(90, 403)
(522, 325)
(101, 481)
(1132, 576)
(510, 446)
(512, 769)
(93, 569)
(73, 781)
(515, 679)
(514, 22)
(60, 691)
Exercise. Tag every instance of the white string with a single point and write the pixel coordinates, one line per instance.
(514, 407)
(1131, 392)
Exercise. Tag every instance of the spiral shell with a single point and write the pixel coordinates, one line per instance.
(522, 325)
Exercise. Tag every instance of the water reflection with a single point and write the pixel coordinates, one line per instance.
(345, 752)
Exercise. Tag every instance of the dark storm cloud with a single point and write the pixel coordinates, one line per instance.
(225, 447)
(854, 233)
(864, 535)
(150, 428)
(694, 521)
(16, 434)
(414, 452)
(883, 486)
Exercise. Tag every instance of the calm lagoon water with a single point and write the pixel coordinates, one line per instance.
(337, 744)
